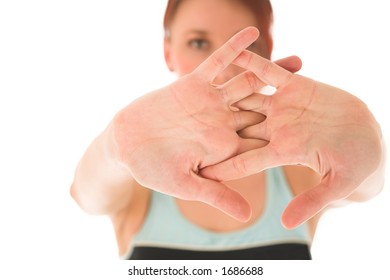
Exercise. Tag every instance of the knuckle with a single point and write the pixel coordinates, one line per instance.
(266, 69)
(218, 62)
(245, 59)
(231, 47)
(220, 197)
(266, 102)
(251, 80)
(238, 118)
(224, 93)
(239, 164)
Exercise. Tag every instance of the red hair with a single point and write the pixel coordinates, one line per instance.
(261, 8)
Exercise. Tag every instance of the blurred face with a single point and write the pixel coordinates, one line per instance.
(199, 27)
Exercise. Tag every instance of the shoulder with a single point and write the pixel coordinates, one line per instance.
(129, 220)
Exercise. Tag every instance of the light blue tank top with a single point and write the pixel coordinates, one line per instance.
(166, 227)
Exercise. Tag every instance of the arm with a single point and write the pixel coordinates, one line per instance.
(102, 185)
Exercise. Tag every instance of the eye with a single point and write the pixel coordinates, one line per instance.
(200, 44)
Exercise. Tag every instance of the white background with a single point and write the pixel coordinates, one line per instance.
(66, 67)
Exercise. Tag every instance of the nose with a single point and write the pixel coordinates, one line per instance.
(227, 74)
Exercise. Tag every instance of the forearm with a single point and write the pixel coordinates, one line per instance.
(101, 184)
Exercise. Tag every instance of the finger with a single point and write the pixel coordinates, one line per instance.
(243, 119)
(240, 87)
(225, 55)
(311, 202)
(291, 63)
(269, 72)
(257, 131)
(246, 164)
(255, 102)
(251, 144)
(221, 197)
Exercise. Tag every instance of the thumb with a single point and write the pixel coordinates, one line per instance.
(218, 195)
(309, 203)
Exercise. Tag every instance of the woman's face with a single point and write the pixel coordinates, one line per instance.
(199, 27)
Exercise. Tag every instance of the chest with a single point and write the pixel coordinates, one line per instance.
(252, 188)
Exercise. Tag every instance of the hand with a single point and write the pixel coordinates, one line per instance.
(308, 123)
(166, 136)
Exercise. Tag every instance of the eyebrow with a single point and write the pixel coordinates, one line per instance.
(203, 32)
(197, 31)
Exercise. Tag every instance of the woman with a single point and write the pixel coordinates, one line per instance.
(176, 139)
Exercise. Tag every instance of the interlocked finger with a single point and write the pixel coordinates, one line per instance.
(225, 55)
(266, 70)
(244, 119)
(240, 87)
(257, 131)
(256, 102)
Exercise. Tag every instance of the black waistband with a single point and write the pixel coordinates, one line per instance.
(287, 251)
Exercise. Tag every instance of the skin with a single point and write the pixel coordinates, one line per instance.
(305, 111)
(195, 34)
(194, 129)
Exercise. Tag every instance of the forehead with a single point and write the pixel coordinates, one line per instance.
(224, 16)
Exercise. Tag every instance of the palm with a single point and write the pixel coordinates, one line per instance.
(185, 126)
(325, 128)
(308, 123)
(164, 137)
